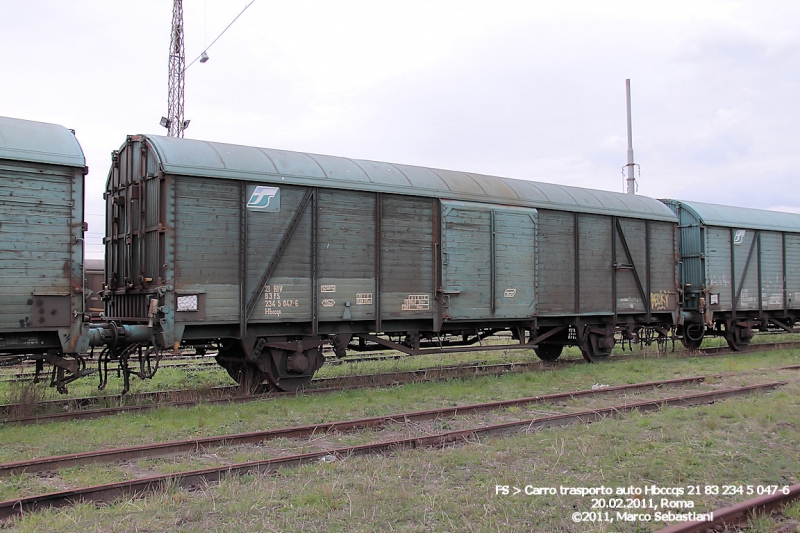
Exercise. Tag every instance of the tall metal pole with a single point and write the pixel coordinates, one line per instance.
(631, 181)
(177, 59)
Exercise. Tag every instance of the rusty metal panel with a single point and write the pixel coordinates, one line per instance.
(41, 228)
(346, 255)
(207, 243)
(692, 270)
(406, 258)
(596, 270)
(718, 266)
(556, 263)
(466, 260)
(287, 295)
(37, 230)
(745, 246)
(771, 250)
(792, 272)
(629, 296)
(488, 261)
(515, 272)
(663, 258)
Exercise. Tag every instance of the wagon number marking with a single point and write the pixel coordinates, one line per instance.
(272, 299)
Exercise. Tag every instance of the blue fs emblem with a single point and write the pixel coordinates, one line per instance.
(265, 199)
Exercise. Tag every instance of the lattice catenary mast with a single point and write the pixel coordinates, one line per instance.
(174, 121)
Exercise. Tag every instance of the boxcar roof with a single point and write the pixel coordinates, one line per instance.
(228, 161)
(741, 217)
(39, 142)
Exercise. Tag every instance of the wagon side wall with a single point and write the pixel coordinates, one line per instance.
(41, 260)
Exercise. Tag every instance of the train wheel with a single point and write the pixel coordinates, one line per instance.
(249, 377)
(597, 348)
(693, 334)
(738, 338)
(551, 348)
(548, 352)
(292, 371)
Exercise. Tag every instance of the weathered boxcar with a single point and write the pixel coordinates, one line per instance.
(42, 172)
(273, 253)
(738, 270)
(94, 275)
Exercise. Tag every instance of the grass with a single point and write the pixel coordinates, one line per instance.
(749, 441)
(454, 489)
(20, 442)
(24, 395)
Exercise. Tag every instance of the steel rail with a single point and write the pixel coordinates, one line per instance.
(74, 408)
(739, 513)
(324, 385)
(167, 398)
(109, 492)
(188, 445)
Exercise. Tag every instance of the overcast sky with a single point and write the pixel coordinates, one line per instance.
(525, 89)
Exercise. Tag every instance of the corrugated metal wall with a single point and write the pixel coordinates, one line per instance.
(718, 264)
(663, 257)
(466, 260)
(692, 249)
(346, 254)
(489, 261)
(207, 243)
(629, 298)
(406, 256)
(746, 281)
(771, 244)
(289, 296)
(596, 271)
(37, 226)
(515, 263)
(793, 273)
(556, 263)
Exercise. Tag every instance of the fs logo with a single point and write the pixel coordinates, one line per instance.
(738, 238)
(265, 199)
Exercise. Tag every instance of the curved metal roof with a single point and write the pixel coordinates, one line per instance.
(228, 161)
(742, 217)
(39, 142)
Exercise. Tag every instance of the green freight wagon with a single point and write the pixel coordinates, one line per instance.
(272, 254)
(42, 305)
(738, 271)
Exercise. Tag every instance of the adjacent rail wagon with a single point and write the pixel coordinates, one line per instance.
(94, 275)
(42, 170)
(272, 254)
(738, 271)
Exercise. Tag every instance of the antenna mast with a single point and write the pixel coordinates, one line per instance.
(631, 189)
(174, 121)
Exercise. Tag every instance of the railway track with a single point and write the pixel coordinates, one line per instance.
(166, 448)
(109, 492)
(193, 362)
(230, 394)
(330, 360)
(81, 408)
(739, 514)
